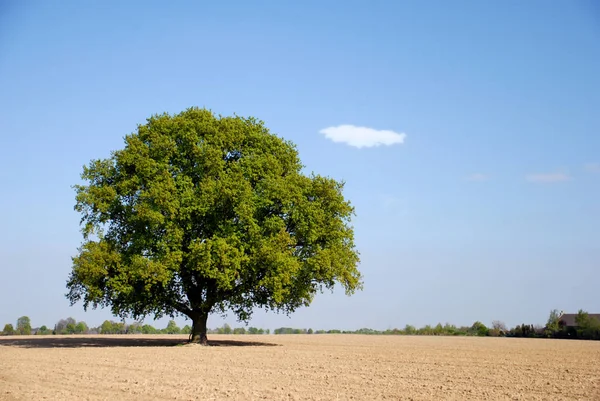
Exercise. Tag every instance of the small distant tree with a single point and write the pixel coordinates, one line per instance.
(553, 323)
(61, 326)
(427, 330)
(23, 326)
(498, 329)
(107, 327)
(71, 328)
(239, 330)
(43, 331)
(479, 329)
(310, 331)
(499, 325)
(135, 328)
(587, 326)
(8, 330)
(450, 329)
(148, 329)
(81, 328)
(172, 328)
(410, 330)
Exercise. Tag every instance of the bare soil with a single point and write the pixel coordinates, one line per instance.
(298, 367)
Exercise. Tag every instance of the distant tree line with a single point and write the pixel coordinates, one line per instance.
(71, 326)
(587, 328)
(477, 329)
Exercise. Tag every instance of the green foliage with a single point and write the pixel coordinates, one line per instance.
(71, 328)
(172, 328)
(553, 323)
(239, 330)
(479, 329)
(148, 329)
(110, 327)
(588, 327)
(427, 330)
(134, 328)
(226, 329)
(410, 330)
(81, 328)
(23, 326)
(43, 331)
(524, 330)
(450, 330)
(8, 330)
(289, 330)
(186, 329)
(65, 326)
(310, 331)
(201, 214)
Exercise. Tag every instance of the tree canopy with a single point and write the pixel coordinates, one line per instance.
(24, 326)
(202, 214)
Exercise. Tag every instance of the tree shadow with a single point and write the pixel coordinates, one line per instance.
(117, 341)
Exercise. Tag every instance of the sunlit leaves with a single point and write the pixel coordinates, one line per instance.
(199, 213)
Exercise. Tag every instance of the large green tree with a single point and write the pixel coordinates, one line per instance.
(202, 214)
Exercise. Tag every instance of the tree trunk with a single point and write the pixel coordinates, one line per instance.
(199, 329)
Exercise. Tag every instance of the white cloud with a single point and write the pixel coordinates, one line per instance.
(548, 178)
(362, 137)
(478, 177)
(593, 167)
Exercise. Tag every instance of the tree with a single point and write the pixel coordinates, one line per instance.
(587, 326)
(135, 328)
(172, 328)
(410, 330)
(71, 328)
(8, 330)
(61, 326)
(200, 214)
(498, 329)
(81, 328)
(239, 330)
(23, 326)
(553, 324)
(148, 329)
(110, 327)
(479, 329)
(43, 330)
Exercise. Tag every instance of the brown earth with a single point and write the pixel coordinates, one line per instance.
(300, 367)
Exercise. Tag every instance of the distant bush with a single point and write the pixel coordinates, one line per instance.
(8, 330)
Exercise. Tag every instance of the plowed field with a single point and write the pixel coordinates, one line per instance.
(298, 367)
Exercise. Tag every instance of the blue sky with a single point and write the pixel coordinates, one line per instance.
(487, 209)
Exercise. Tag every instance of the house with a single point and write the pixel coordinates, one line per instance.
(567, 320)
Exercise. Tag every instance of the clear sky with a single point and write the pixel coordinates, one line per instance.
(486, 208)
